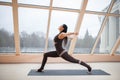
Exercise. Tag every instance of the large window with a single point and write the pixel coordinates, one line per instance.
(6, 30)
(33, 27)
(57, 19)
(33, 24)
(109, 35)
(88, 32)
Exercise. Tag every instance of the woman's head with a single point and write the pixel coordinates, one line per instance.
(63, 28)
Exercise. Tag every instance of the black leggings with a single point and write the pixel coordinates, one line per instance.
(65, 56)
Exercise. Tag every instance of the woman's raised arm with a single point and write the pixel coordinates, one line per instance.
(69, 34)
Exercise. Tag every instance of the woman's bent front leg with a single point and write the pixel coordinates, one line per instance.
(46, 55)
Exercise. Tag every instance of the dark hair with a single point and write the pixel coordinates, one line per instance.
(65, 31)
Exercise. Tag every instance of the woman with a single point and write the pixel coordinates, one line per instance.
(60, 52)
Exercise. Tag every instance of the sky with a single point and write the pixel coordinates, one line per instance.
(35, 20)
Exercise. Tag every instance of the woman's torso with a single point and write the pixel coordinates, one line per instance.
(58, 44)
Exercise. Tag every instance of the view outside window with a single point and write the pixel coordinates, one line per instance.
(57, 19)
(6, 30)
(111, 31)
(98, 5)
(32, 29)
(88, 32)
(118, 50)
(35, 2)
(73, 4)
(109, 35)
(116, 7)
(6, 0)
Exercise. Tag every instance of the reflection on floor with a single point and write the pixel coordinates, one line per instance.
(20, 71)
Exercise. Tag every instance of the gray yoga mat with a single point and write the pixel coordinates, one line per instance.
(33, 72)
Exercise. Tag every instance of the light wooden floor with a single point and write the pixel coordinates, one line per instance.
(20, 71)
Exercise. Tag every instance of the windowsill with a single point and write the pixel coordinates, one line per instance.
(37, 58)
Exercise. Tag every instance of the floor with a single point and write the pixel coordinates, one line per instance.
(20, 71)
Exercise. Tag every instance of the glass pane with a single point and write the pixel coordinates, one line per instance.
(109, 35)
(6, 30)
(74, 4)
(116, 7)
(6, 0)
(118, 50)
(98, 5)
(32, 26)
(57, 19)
(35, 2)
(88, 32)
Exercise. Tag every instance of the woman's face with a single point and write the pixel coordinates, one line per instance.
(61, 28)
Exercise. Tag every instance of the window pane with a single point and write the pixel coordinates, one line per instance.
(6, 0)
(88, 33)
(74, 4)
(118, 50)
(109, 35)
(32, 26)
(6, 30)
(98, 5)
(57, 19)
(35, 2)
(116, 7)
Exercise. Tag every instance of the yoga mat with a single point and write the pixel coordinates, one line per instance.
(33, 72)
